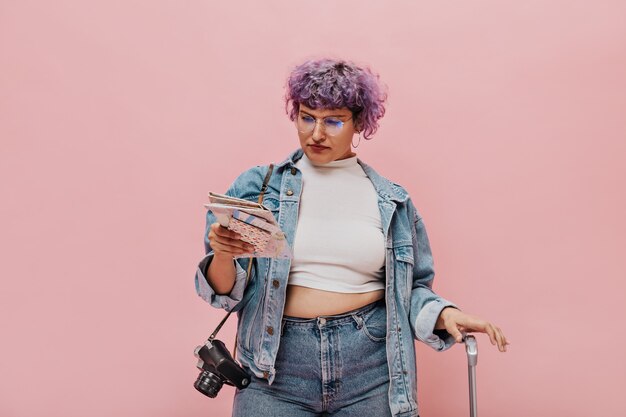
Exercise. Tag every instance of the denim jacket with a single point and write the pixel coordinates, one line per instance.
(412, 306)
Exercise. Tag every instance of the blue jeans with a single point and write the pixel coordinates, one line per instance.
(326, 366)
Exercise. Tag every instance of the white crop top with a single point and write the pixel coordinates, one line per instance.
(339, 243)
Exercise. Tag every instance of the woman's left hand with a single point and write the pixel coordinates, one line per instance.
(454, 321)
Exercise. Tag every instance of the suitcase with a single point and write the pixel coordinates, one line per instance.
(471, 347)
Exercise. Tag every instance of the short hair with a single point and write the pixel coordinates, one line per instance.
(333, 84)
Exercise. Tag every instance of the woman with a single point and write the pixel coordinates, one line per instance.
(331, 331)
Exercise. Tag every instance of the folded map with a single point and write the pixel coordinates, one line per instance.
(254, 222)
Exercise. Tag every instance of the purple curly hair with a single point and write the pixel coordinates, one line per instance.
(334, 84)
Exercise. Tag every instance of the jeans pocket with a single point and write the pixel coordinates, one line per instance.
(373, 324)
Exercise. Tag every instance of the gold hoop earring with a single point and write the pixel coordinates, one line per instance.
(358, 143)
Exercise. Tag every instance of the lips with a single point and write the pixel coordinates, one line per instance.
(318, 147)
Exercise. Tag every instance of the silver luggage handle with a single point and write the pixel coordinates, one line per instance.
(471, 347)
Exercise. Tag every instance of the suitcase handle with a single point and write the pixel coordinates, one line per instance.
(471, 347)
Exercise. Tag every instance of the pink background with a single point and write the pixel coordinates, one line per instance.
(505, 121)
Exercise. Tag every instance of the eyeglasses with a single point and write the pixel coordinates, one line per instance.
(332, 125)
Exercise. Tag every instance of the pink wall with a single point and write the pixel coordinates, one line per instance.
(505, 122)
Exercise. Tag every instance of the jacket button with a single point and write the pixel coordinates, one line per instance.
(275, 283)
(289, 192)
(293, 171)
(266, 374)
(270, 330)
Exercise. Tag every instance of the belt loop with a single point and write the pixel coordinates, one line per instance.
(358, 319)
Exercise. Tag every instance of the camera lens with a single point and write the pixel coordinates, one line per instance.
(208, 383)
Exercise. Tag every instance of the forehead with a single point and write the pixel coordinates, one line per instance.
(344, 111)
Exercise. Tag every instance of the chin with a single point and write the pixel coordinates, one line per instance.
(312, 154)
(321, 159)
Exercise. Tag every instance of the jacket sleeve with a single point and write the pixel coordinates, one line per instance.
(426, 305)
(232, 300)
(228, 301)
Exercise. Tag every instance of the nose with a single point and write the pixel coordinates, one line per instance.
(319, 133)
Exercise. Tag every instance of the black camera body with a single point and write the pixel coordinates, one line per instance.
(218, 368)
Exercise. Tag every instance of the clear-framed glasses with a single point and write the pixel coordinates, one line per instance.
(331, 125)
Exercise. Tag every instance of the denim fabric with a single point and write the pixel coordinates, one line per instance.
(330, 365)
(412, 306)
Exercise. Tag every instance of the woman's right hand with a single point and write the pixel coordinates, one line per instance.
(226, 243)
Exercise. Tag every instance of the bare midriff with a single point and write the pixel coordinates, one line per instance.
(310, 302)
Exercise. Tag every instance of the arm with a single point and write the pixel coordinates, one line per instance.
(221, 280)
(426, 305)
(435, 321)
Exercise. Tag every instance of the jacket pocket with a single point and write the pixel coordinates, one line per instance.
(248, 313)
(273, 204)
(404, 261)
(254, 307)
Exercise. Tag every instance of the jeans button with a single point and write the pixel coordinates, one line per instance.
(270, 330)
(322, 321)
(290, 192)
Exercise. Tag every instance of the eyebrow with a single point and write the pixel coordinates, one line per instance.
(330, 115)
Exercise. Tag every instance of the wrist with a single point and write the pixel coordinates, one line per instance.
(222, 257)
(219, 261)
(440, 324)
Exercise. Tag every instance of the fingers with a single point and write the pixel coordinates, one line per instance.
(504, 342)
(217, 229)
(492, 334)
(470, 323)
(496, 336)
(224, 241)
(227, 250)
(454, 332)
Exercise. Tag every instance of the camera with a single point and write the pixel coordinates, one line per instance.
(218, 368)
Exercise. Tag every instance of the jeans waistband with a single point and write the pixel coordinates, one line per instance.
(336, 318)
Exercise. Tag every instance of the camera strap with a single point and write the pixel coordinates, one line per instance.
(260, 201)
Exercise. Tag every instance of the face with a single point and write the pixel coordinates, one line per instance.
(321, 147)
